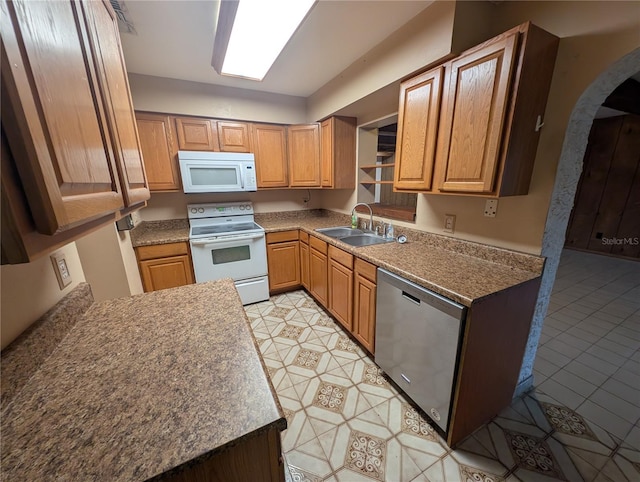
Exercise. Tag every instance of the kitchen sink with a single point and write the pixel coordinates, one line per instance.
(339, 232)
(354, 237)
(365, 239)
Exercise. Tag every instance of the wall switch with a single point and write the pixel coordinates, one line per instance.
(491, 208)
(61, 269)
(449, 223)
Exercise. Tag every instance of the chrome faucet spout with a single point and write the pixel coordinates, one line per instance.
(370, 213)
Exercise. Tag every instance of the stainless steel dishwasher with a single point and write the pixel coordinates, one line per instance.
(418, 336)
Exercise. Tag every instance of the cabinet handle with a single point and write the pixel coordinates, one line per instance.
(411, 298)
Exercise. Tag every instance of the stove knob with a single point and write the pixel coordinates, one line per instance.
(248, 207)
(200, 210)
(241, 208)
(194, 210)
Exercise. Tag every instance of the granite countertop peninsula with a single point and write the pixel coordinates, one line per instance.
(141, 386)
(463, 271)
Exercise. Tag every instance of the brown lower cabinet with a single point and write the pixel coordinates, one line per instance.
(165, 266)
(304, 260)
(256, 458)
(340, 286)
(364, 303)
(318, 276)
(283, 260)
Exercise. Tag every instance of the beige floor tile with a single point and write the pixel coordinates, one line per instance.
(450, 469)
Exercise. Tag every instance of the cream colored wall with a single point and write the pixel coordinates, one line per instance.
(593, 35)
(173, 205)
(109, 263)
(173, 96)
(423, 40)
(30, 290)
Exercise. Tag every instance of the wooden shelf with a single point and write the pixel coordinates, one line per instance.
(401, 213)
(376, 182)
(377, 166)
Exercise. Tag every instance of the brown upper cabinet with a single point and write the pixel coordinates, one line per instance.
(304, 155)
(159, 150)
(67, 115)
(270, 149)
(418, 117)
(493, 101)
(197, 134)
(102, 25)
(338, 152)
(234, 136)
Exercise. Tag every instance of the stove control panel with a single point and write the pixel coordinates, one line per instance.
(214, 210)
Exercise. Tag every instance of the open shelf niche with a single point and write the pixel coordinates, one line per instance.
(376, 175)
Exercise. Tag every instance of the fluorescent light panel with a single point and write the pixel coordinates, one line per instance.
(260, 31)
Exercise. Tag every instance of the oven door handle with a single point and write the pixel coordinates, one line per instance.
(206, 242)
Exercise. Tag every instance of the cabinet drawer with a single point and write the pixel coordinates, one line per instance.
(318, 244)
(342, 257)
(161, 250)
(282, 236)
(304, 237)
(366, 269)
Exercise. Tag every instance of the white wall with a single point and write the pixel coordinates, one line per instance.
(172, 205)
(109, 263)
(173, 96)
(29, 290)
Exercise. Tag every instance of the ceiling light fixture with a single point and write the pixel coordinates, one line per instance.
(252, 33)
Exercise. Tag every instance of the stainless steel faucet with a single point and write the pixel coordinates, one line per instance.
(370, 213)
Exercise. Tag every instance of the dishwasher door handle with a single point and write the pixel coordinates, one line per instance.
(411, 298)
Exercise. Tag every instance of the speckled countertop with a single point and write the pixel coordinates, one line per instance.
(461, 270)
(139, 386)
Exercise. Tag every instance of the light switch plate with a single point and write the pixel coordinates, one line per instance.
(61, 269)
(449, 223)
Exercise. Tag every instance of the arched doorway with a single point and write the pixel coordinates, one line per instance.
(566, 181)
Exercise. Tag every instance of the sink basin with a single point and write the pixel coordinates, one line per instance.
(364, 239)
(339, 232)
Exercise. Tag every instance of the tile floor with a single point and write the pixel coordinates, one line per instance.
(347, 423)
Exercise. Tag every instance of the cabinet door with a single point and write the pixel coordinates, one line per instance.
(197, 134)
(338, 152)
(234, 136)
(475, 102)
(418, 117)
(364, 313)
(326, 152)
(341, 293)
(304, 265)
(159, 274)
(105, 40)
(270, 150)
(53, 116)
(284, 265)
(304, 155)
(318, 276)
(159, 151)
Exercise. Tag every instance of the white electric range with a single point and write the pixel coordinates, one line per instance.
(227, 243)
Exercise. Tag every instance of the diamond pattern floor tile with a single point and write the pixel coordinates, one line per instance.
(348, 423)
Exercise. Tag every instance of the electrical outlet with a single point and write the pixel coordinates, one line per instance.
(491, 208)
(449, 223)
(61, 269)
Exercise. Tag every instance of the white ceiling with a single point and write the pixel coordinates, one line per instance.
(175, 39)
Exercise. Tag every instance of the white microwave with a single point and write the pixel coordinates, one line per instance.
(203, 171)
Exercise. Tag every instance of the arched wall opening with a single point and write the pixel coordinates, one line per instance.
(568, 173)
